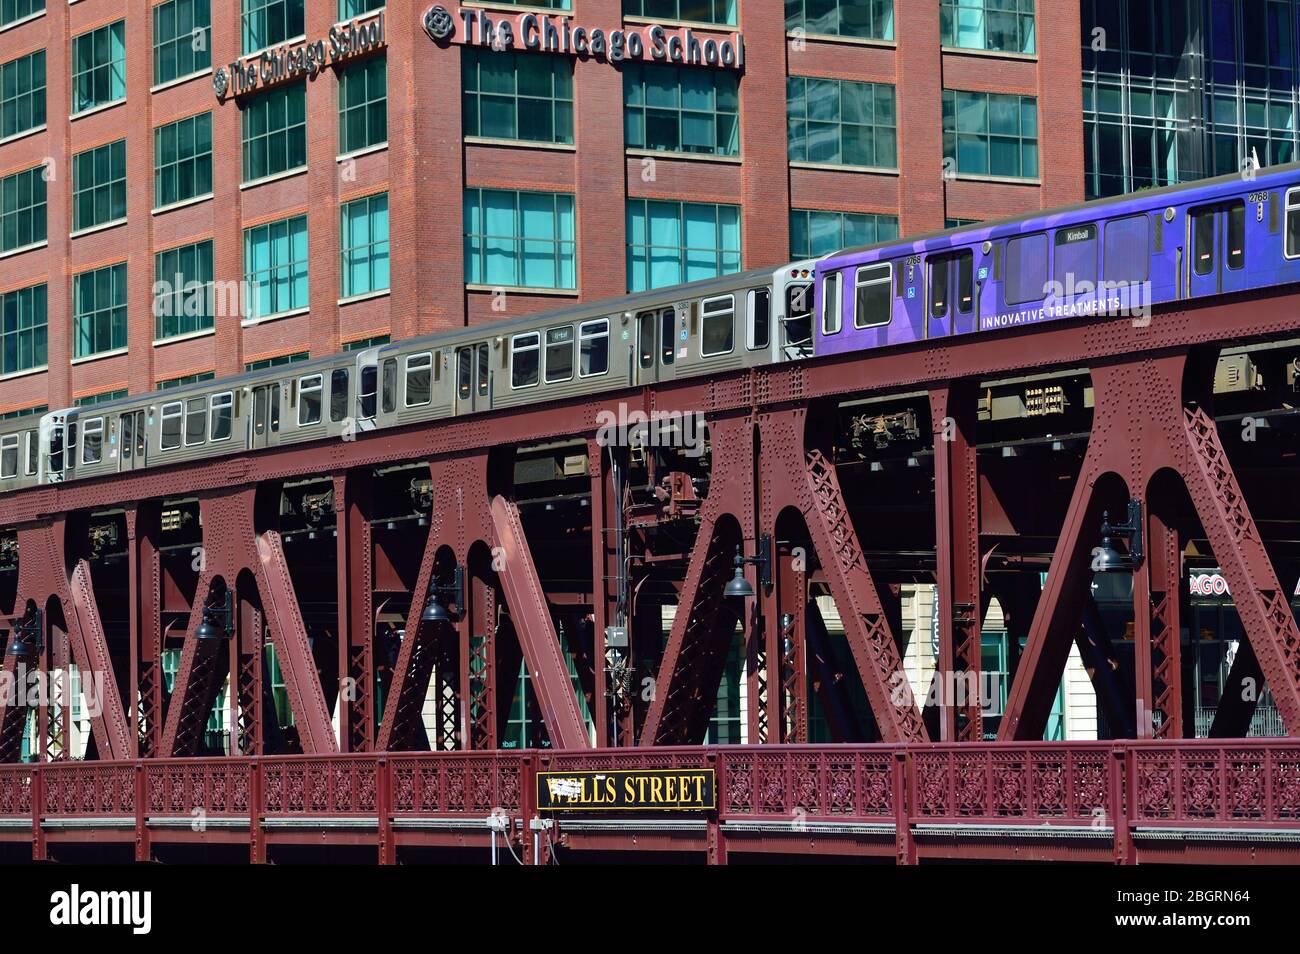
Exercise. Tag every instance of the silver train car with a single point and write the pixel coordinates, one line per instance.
(720, 324)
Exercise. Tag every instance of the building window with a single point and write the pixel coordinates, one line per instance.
(519, 239)
(22, 209)
(363, 105)
(99, 186)
(24, 412)
(991, 134)
(815, 232)
(355, 8)
(182, 301)
(268, 22)
(278, 361)
(860, 19)
(362, 343)
(673, 242)
(842, 122)
(185, 379)
(275, 267)
(103, 397)
(951, 223)
(681, 109)
(13, 10)
(99, 310)
(275, 132)
(182, 160)
(99, 67)
(182, 39)
(364, 233)
(23, 329)
(1004, 26)
(517, 96)
(22, 94)
(694, 11)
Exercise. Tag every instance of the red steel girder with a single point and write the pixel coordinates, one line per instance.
(1141, 428)
(232, 545)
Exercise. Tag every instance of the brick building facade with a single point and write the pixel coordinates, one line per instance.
(100, 97)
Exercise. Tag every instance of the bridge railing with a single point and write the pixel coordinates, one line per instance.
(1241, 783)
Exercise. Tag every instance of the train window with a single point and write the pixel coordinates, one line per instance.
(390, 385)
(338, 394)
(523, 359)
(169, 438)
(196, 421)
(1292, 249)
(419, 379)
(1203, 241)
(128, 436)
(798, 314)
(8, 456)
(667, 336)
(832, 304)
(717, 318)
(646, 339)
(874, 299)
(56, 449)
(366, 391)
(1026, 269)
(464, 373)
(92, 440)
(593, 347)
(1236, 250)
(559, 354)
(1074, 258)
(310, 399)
(1125, 255)
(33, 453)
(939, 287)
(275, 409)
(759, 333)
(222, 408)
(483, 370)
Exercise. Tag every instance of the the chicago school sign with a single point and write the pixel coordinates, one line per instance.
(289, 61)
(542, 33)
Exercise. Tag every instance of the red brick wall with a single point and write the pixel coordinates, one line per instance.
(427, 166)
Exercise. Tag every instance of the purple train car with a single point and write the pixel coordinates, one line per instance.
(1115, 256)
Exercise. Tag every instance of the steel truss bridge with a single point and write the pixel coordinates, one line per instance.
(981, 465)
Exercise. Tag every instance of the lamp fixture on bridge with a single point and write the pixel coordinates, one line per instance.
(436, 611)
(1110, 560)
(26, 642)
(738, 587)
(216, 619)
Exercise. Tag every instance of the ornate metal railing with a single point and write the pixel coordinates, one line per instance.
(1116, 787)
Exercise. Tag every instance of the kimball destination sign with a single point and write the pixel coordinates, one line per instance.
(538, 32)
(289, 61)
(679, 790)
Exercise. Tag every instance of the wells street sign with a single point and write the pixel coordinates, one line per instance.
(679, 790)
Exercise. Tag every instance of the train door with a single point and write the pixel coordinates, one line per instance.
(1217, 262)
(660, 337)
(132, 435)
(473, 384)
(264, 422)
(796, 324)
(950, 303)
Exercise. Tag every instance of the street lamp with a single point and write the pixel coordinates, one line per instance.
(435, 610)
(738, 587)
(216, 619)
(1109, 559)
(26, 642)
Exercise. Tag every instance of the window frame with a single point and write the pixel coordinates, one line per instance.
(166, 414)
(516, 349)
(426, 364)
(584, 336)
(572, 345)
(751, 339)
(859, 284)
(836, 276)
(6, 448)
(319, 389)
(730, 311)
(216, 402)
(1047, 270)
(202, 414)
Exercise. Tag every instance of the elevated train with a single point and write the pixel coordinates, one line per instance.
(1117, 255)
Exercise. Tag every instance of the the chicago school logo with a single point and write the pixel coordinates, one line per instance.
(438, 23)
(220, 81)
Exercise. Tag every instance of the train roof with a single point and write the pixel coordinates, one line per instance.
(1102, 204)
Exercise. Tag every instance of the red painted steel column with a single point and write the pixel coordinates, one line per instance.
(1166, 628)
(602, 607)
